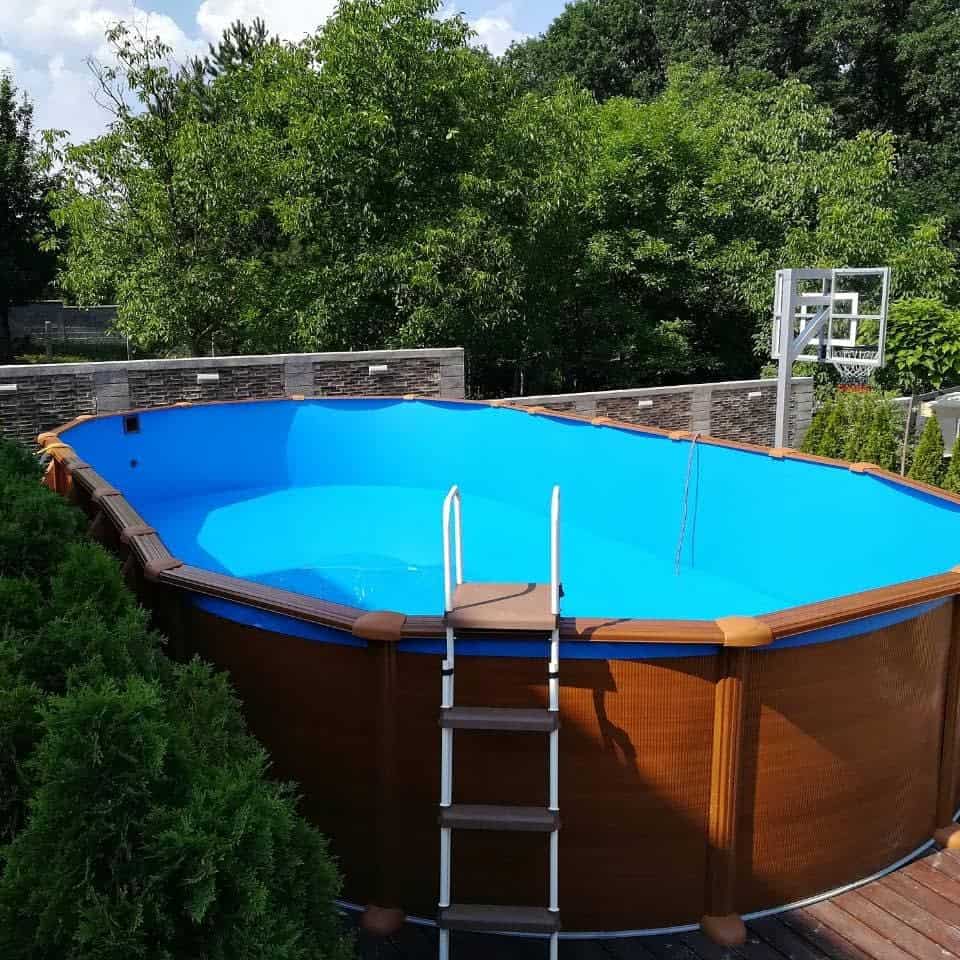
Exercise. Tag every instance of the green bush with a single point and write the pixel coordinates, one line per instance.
(834, 429)
(856, 426)
(20, 732)
(16, 461)
(21, 604)
(151, 835)
(951, 478)
(927, 463)
(136, 815)
(882, 445)
(814, 435)
(859, 415)
(35, 526)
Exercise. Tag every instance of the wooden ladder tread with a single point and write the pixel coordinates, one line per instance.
(485, 816)
(502, 607)
(516, 719)
(493, 918)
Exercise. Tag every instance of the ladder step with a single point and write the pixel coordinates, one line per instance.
(485, 816)
(491, 918)
(500, 718)
(510, 607)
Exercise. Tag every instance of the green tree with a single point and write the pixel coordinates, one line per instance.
(886, 67)
(951, 477)
(26, 264)
(609, 47)
(169, 212)
(927, 463)
(814, 435)
(923, 345)
(832, 437)
(882, 444)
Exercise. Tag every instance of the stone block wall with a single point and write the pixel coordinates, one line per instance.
(37, 397)
(346, 378)
(735, 410)
(157, 388)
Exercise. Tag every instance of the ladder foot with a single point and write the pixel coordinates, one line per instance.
(727, 931)
(381, 921)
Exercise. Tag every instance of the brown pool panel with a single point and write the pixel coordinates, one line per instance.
(694, 789)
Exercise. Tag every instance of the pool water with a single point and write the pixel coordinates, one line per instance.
(341, 500)
(380, 548)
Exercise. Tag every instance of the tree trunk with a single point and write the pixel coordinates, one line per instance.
(6, 338)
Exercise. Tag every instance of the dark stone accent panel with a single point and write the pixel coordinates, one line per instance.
(156, 388)
(561, 406)
(346, 378)
(735, 417)
(670, 411)
(43, 402)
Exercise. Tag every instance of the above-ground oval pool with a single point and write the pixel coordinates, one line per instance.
(759, 649)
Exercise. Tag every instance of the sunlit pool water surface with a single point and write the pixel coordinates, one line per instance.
(341, 500)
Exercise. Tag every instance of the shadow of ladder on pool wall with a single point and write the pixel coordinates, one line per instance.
(498, 610)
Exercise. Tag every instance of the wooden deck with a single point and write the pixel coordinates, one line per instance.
(913, 914)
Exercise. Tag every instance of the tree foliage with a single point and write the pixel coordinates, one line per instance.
(888, 67)
(609, 47)
(857, 427)
(26, 264)
(927, 463)
(384, 184)
(923, 345)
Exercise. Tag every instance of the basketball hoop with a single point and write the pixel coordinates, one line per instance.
(855, 366)
(836, 316)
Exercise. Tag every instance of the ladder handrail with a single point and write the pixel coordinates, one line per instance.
(452, 503)
(555, 550)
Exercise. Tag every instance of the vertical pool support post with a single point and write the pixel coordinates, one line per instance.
(947, 831)
(382, 631)
(734, 689)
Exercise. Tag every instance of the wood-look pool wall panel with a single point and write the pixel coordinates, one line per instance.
(634, 786)
(839, 772)
(841, 761)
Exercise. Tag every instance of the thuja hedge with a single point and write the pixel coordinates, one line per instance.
(869, 427)
(136, 815)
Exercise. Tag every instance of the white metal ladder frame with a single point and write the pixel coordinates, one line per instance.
(453, 578)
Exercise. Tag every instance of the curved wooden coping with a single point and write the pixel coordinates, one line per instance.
(391, 626)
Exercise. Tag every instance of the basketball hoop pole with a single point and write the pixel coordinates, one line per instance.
(790, 347)
(787, 306)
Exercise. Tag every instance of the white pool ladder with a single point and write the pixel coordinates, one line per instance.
(526, 610)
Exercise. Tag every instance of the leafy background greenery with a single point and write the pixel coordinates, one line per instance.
(603, 206)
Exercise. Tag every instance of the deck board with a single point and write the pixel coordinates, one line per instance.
(912, 914)
(784, 940)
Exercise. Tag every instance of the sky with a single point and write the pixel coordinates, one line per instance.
(45, 43)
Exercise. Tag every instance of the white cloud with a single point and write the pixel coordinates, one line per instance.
(77, 27)
(495, 29)
(291, 19)
(45, 44)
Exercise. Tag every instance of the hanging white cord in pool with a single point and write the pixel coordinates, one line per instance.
(683, 505)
